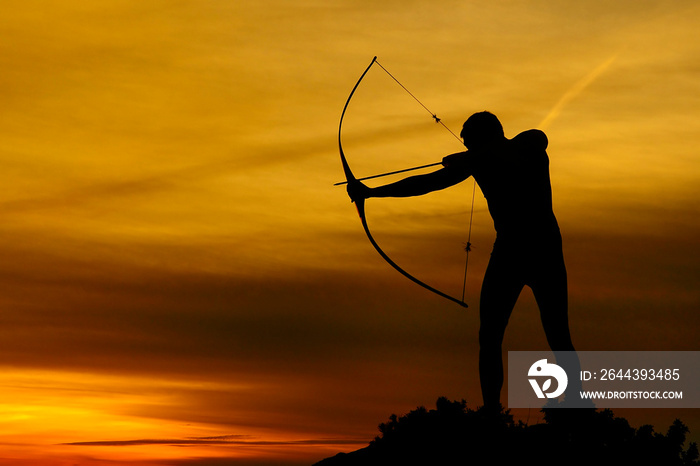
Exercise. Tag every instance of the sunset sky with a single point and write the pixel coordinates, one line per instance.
(181, 282)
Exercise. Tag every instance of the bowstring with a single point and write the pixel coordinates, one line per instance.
(468, 247)
(435, 117)
(471, 213)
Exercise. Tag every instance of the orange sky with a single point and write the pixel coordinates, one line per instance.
(181, 281)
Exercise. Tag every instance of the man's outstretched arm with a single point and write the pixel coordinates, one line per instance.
(452, 174)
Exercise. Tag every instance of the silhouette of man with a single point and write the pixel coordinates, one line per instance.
(513, 174)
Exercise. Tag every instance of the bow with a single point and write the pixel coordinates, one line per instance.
(360, 203)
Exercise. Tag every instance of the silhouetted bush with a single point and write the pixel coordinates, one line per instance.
(453, 434)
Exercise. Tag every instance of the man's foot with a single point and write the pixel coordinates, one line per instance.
(576, 402)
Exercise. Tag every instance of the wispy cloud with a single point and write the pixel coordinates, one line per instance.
(224, 440)
(575, 91)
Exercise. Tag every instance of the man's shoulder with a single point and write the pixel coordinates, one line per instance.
(533, 139)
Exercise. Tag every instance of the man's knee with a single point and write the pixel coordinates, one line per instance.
(491, 337)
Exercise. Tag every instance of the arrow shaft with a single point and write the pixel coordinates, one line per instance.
(391, 173)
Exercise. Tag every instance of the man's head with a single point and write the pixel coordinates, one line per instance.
(482, 129)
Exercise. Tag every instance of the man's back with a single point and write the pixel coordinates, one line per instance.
(514, 177)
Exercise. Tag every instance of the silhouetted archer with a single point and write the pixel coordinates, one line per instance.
(514, 176)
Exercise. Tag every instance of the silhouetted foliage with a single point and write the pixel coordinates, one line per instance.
(453, 434)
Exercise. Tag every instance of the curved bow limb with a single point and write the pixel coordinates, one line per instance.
(360, 204)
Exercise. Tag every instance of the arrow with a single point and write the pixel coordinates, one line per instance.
(391, 173)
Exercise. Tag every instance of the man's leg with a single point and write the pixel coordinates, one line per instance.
(499, 293)
(551, 293)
